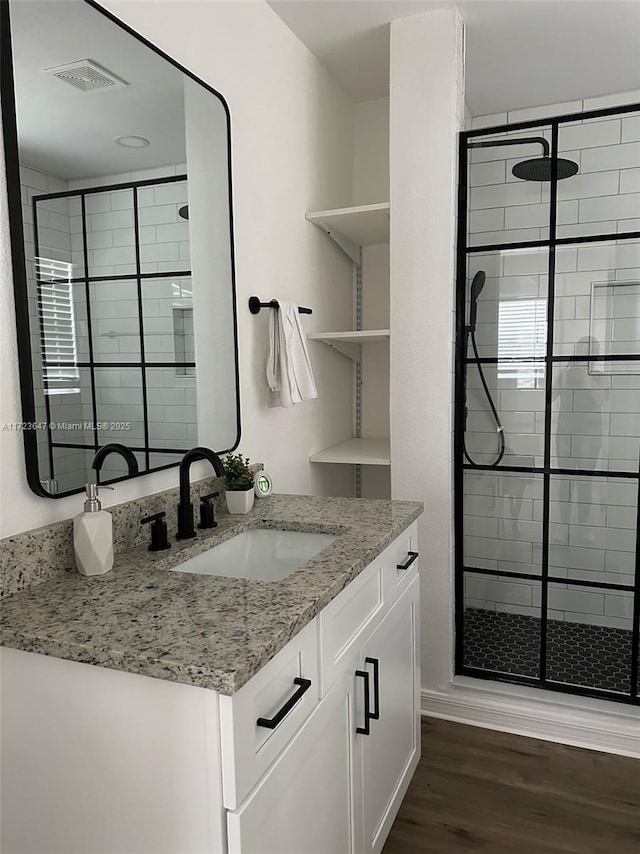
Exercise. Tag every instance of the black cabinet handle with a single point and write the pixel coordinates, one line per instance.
(412, 557)
(272, 723)
(366, 729)
(375, 714)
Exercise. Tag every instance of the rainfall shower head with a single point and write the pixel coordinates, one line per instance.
(183, 212)
(537, 168)
(476, 289)
(541, 168)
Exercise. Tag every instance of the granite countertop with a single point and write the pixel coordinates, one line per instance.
(208, 631)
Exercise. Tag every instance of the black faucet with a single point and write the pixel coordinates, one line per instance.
(186, 530)
(114, 448)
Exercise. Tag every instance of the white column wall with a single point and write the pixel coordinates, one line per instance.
(427, 111)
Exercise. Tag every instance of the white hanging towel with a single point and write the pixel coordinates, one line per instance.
(289, 373)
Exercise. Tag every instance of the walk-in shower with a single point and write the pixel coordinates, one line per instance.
(547, 456)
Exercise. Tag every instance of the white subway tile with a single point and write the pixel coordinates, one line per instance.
(609, 256)
(545, 112)
(589, 185)
(121, 236)
(122, 200)
(174, 232)
(158, 215)
(616, 539)
(582, 229)
(618, 99)
(519, 262)
(620, 562)
(488, 219)
(492, 120)
(34, 179)
(504, 195)
(157, 252)
(618, 604)
(507, 592)
(598, 620)
(519, 529)
(575, 600)
(99, 203)
(621, 517)
(174, 193)
(622, 156)
(111, 220)
(590, 134)
(121, 255)
(610, 207)
(492, 172)
(631, 128)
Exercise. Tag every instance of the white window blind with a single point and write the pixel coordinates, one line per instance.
(57, 325)
(522, 335)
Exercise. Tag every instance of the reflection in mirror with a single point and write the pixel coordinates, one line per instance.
(123, 171)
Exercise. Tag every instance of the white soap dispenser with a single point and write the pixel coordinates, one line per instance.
(93, 536)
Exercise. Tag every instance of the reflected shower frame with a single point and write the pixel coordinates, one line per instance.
(473, 139)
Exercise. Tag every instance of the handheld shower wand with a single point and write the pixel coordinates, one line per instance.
(470, 332)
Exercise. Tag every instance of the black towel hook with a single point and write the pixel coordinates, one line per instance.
(255, 305)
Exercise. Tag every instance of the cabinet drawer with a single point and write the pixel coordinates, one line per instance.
(249, 748)
(401, 553)
(347, 619)
(305, 804)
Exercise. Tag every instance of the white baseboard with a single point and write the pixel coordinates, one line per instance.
(567, 719)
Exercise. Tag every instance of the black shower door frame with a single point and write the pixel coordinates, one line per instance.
(86, 279)
(546, 470)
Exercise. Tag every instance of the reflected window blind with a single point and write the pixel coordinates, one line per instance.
(522, 335)
(57, 325)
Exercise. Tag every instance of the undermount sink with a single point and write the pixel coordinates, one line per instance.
(259, 555)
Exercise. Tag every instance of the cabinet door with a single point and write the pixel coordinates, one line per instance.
(305, 804)
(390, 753)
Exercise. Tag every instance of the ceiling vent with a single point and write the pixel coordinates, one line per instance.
(86, 76)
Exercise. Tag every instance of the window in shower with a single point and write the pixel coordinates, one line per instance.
(547, 554)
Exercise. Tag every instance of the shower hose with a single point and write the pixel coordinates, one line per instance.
(494, 411)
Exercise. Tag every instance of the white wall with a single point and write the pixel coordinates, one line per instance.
(291, 148)
(371, 152)
(427, 111)
(371, 185)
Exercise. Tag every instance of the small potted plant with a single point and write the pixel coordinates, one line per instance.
(238, 484)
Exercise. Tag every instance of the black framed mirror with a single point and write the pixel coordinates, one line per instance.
(118, 166)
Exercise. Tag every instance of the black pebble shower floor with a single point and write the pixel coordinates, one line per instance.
(577, 654)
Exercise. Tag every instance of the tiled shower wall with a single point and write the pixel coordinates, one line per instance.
(171, 393)
(596, 405)
(164, 248)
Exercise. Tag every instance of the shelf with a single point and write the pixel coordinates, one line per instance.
(349, 343)
(351, 228)
(364, 452)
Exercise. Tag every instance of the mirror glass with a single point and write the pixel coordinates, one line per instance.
(125, 285)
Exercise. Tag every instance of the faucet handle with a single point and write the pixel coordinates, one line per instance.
(159, 538)
(207, 517)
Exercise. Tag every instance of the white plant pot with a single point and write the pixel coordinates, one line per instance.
(240, 502)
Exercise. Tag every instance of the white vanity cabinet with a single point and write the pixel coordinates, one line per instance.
(390, 753)
(306, 802)
(101, 760)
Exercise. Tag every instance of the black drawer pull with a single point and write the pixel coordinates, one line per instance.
(272, 723)
(375, 714)
(366, 729)
(412, 557)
